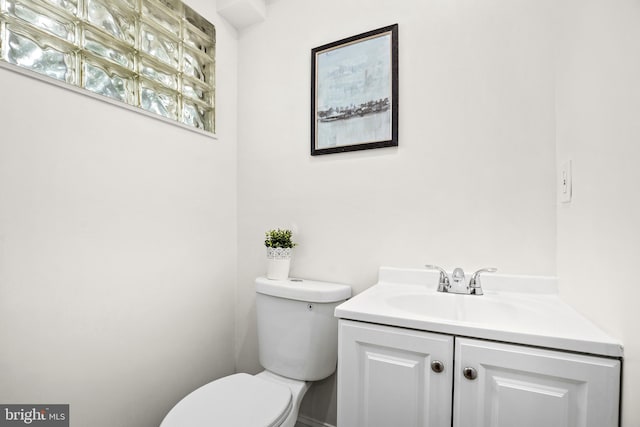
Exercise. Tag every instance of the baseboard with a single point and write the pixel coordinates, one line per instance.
(310, 422)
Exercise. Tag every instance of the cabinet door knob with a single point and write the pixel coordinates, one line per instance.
(470, 373)
(437, 366)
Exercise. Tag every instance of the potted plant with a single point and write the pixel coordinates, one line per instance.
(279, 247)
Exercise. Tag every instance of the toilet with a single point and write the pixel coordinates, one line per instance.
(298, 344)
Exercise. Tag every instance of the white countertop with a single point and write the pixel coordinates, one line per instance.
(516, 309)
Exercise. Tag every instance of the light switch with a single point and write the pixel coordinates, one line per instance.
(564, 182)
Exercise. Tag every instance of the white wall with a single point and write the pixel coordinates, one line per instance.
(471, 183)
(117, 250)
(598, 105)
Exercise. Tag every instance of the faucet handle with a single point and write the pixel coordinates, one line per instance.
(474, 283)
(443, 284)
(483, 270)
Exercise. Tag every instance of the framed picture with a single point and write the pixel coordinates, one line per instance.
(354, 93)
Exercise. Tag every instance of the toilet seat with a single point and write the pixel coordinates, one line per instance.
(239, 400)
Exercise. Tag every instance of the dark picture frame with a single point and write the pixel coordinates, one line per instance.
(354, 93)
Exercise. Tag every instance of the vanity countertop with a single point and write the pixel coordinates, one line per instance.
(516, 309)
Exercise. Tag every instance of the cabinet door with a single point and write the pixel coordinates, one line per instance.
(530, 387)
(385, 377)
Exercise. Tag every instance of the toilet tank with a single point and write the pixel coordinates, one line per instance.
(297, 331)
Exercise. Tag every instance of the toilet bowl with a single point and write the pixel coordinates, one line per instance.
(242, 400)
(298, 339)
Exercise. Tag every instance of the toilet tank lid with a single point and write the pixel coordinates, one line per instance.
(303, 290)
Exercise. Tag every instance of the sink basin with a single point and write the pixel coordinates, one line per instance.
(463, 308)
(430, 305)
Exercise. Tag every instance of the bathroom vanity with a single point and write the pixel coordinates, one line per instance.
(515, 356)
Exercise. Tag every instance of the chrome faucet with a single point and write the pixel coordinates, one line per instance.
(458, 278)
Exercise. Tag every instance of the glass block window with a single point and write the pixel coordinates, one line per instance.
(158, 55)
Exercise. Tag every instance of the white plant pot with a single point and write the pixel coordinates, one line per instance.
(278, 263)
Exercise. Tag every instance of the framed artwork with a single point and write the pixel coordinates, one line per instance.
(354, 93)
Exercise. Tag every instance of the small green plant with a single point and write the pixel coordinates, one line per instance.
(278, 239)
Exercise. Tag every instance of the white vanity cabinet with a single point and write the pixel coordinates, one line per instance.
(385, 377)
(516, 385)
(392, 376)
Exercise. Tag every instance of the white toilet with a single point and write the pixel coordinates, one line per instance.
(298, 343)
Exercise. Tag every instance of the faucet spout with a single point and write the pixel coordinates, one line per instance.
(458, 275)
